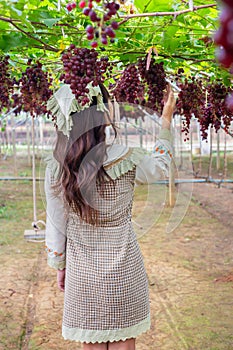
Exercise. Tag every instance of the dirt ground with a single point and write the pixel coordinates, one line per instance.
(190, 272)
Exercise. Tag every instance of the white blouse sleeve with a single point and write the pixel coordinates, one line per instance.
(156, 166)
(55, 233)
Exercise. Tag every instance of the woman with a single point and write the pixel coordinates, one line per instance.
(89, 236)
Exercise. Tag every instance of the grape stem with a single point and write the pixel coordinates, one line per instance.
(11, 111)
(173, 85)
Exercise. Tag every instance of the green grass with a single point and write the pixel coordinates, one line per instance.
(205, 164)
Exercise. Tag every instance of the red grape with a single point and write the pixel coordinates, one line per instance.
(89, 29)
(69, 7)
(82, 4)
(90, 36)
(94, 44)
(86, 11)
(109, 32)
(114, 25)
(104, 40)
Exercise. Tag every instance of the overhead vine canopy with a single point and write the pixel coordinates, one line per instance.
(139, 44)
(180, 31)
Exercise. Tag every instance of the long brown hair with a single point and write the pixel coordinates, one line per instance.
(81, 159)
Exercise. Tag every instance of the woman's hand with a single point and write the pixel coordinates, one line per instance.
(169, 107)
(61, 275)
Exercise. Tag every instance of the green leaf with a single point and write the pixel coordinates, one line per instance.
(153, 5)
(49, 22)
(9, 42)
(16, 12)
(48, 3)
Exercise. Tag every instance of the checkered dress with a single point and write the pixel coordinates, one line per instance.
(106, 290)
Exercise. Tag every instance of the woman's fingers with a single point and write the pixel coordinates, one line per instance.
(61, 274)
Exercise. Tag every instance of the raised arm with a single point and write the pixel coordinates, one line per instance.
(156, 166)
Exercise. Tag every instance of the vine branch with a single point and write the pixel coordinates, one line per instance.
(46, 46)
(168, 13)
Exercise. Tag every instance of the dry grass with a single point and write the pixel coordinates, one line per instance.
(190, 310)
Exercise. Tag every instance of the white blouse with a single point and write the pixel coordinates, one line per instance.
(120, 159)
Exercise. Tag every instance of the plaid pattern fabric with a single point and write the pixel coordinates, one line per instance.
(106, 285)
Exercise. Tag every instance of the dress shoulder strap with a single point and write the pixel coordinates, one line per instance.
(125, 163)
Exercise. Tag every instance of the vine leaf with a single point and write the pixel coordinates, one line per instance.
(153, 5)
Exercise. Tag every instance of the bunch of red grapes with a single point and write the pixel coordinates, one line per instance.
(204, 102)
(6, 85)
(213, 110)
(221, 115)
(224, 39)
(35, 89)
(191, 101)
(215, 113)
(82, 66)
(100, 13)
(154, 79)
(142, 86)
(129, 88)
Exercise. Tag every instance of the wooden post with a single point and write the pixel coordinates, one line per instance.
(172, 198)
(126, 132)
(211, 153)
(37, 136)
(8, 135)
(28, 143)
(147, 129)
(225, 157)
(13, 143)
(200, 146)
(140, 132)
(33, 170)
(181, 144)
(191, 141)
(153, 134)
(218, 151)
(41, 125)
